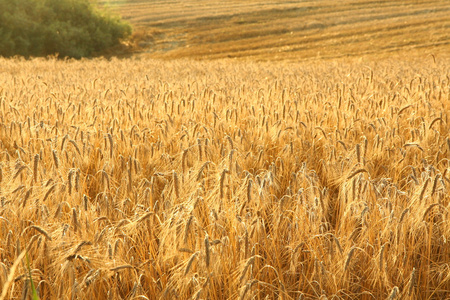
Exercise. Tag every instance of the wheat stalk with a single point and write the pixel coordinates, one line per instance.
(21, 168)
(75, 220)
(412, 282)
(202, 168)
(358, 153)
(130, 177)
(35, 167)
(394, 293)
(40, 230)
(190, 262)
(176, 184)
(402, 216)
(404, 108)
(27, 196)
(75, 146)
(249, 190)
(122, 267)
(187, 229)
(221, 183)
(207, 251)
(380, 266)
(430, 208)
(55, 159)
(200, 157)
(424, 188)
(249, 262)
(356, 173)
(111, 145)
(49, 191)
(183, 161)
(434, 121)
(81, 245)
(63, 142)
(436, 179)
(349, 258)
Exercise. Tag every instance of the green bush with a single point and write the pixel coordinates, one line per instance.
(70, 28)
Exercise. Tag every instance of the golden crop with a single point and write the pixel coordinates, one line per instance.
(144, 179)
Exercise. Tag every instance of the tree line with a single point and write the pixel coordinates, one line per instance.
(69, 28)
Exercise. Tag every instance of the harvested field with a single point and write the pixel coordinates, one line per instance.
(287, 30)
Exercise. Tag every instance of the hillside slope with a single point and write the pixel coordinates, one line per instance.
(287, 29)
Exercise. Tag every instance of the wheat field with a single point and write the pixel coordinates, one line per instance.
(149, 179)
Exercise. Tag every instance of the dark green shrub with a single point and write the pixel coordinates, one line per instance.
(72, 28)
